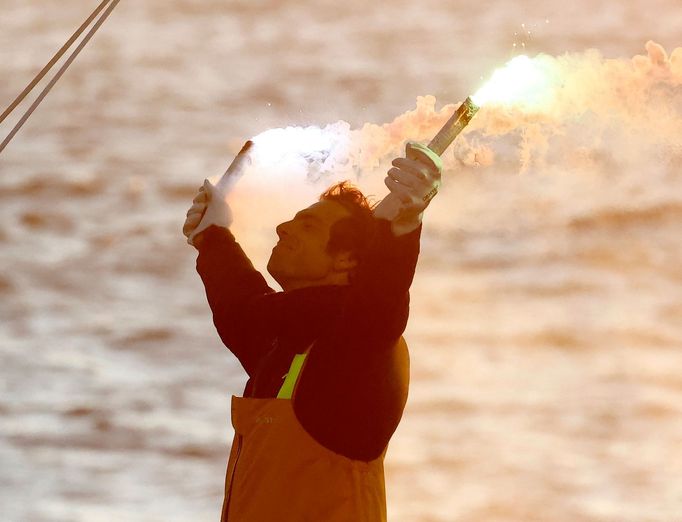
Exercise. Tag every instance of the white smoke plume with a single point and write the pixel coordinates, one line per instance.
(603, 118)
(638, 98)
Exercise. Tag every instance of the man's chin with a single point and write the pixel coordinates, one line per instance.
(271, 267)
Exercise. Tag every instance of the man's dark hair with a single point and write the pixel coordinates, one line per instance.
(352, 233)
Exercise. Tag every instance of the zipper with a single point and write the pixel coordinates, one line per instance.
(234, 469)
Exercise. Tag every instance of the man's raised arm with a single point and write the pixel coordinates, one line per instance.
(234, 288)
(380, 294)
(236, 293)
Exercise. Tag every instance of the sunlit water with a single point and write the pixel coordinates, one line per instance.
(546, 319)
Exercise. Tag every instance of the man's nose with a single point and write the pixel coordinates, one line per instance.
(281, 229)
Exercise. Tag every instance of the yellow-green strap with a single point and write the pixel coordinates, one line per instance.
(287, 388)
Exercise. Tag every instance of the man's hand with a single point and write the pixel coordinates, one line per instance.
(209, 208)
(209, 205)
(195, 212)
(413, 181)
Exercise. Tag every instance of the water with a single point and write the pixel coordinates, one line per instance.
(546, 311)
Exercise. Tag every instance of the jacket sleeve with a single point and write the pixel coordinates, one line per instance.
(354, 393)
(237, 294)
(378, 306)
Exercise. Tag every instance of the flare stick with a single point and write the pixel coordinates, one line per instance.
(453, 126)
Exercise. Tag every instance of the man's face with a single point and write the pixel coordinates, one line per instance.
(300, 257)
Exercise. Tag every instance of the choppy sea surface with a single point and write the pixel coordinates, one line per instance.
(546, 319)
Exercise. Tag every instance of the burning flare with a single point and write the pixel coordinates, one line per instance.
(522, 81)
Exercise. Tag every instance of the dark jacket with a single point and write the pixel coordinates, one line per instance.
(352, 394)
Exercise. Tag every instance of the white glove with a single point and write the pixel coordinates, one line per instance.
(209, 208)
(413, 181)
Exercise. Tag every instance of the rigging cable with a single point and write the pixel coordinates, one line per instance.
(61, 71)
(54, 60)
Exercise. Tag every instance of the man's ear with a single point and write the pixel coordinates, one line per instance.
(345, 261)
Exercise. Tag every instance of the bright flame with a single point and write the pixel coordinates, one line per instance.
(300, 147)
(521, 81)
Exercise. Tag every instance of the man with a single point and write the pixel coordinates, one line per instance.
(328, 369)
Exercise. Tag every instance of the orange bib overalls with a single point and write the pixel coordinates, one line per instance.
(277, 472)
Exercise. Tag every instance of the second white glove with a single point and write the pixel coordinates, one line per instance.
(217, 213)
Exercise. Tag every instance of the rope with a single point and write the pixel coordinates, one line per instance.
(54, 60)
(61, 71)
